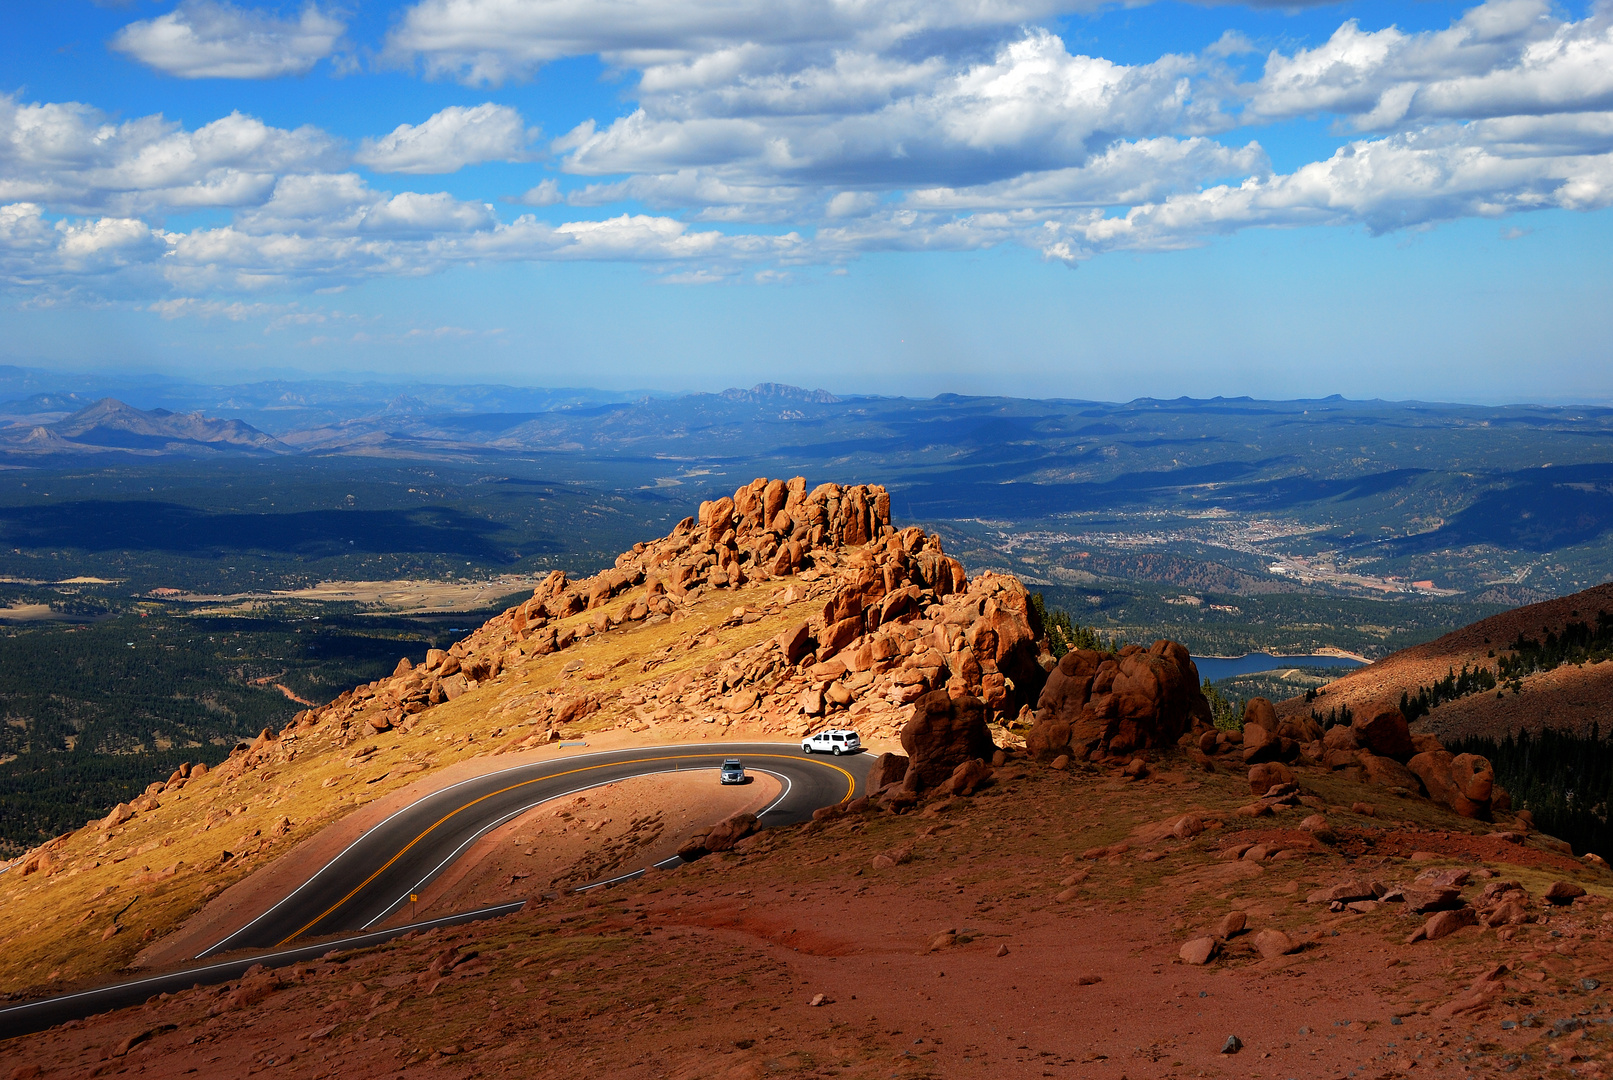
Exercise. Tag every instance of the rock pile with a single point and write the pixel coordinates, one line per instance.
(1098, 704)
(947, 743)
(1378, 747)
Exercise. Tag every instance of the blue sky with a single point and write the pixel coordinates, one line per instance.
(1030, 197)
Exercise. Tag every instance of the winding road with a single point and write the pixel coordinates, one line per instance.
(373, 876)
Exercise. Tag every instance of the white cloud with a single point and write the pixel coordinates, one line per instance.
(546, 193)
(851, 204)
(490, 41)
(449, 140)
(76, 159)
(849, 125)
(1502, 58)
(1385, 184)
(210, 39)
(1031, 105)
(1124, 174)
(342, 204)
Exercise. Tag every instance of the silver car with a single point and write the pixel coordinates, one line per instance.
(733, 771)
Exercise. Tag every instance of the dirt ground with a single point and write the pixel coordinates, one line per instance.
(1032, 930)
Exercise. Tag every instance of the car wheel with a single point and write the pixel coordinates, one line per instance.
(836, 751)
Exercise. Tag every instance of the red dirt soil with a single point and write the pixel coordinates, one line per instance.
(993, 948)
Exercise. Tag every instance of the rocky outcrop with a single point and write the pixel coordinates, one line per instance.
(945, 733)
(1115, 703)
(887, 769)
(1463, 782)
(720, 837)
(1385, 733)
(897, 619)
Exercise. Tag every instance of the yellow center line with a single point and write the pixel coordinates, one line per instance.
(851, 788)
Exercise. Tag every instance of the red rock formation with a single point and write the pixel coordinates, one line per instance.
(945, 732)
(1118, 702)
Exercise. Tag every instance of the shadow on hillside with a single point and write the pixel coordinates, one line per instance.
(104, 525)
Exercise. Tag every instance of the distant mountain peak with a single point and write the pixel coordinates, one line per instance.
(769, 392)
(113, 425)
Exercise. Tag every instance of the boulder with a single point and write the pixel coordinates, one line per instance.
(1340, 737)
(1117, 702)
(117, 816)
(1563, 892)
(1341, 759)
(839, 634)
(1388, 772)
(1302, 729)
(1261, 743)
(945, 732)
(1448, 922)
(1423, 741)
(1386, 734)
(1004, 641)
(1274, 943)
(1259, 711)
(887, 769)
(795, 643)
(1474, 776)
(728, 832)
(1199, 951)
(967, 777)
(1267, 775)
(1454, 781)
(1435, 898)
(1346, 891)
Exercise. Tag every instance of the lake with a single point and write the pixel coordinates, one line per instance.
(1216, 668)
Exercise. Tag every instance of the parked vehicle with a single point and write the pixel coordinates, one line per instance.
(835, 741)
(733, 771)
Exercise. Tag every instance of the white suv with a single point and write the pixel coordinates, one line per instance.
(832, 742)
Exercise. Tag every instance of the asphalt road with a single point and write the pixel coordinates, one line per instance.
(373, 877)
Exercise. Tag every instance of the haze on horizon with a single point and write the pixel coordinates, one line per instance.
(1039, 198)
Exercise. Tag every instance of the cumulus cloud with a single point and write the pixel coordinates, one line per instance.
(846, 126)
(545, 193)
(210, 39)
(1502, 58)
(491, 41)
(342, 204)
(75, 159)
(1125, 173)
(1031, 105)
(449, 140)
